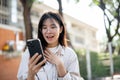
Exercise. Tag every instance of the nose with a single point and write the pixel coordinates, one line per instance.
(48, 30)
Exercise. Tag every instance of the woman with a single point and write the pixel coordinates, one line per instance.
(61, 62)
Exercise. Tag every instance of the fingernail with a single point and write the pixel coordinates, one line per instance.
(36, 53)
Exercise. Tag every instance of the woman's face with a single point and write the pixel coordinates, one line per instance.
(51, 31)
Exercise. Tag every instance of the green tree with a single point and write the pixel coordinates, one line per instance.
(111, 10)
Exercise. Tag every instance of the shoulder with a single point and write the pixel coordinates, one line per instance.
(25, 53)
(68, 49)
(70, 52)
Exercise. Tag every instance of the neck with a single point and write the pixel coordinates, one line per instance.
(51, 46)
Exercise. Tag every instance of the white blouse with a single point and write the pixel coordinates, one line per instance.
(49, 72)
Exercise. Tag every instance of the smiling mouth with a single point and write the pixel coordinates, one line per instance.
(49, 37)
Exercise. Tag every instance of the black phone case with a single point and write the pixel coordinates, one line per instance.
(34, 46)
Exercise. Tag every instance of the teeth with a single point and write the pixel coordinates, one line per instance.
(49, 36)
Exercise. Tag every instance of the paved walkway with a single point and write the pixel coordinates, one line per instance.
(9, 67)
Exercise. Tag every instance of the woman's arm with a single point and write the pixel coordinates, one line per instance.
(33, 68)
(23, 66)
(72, 71)
(72, 66)
(28, 67)
(54, 59)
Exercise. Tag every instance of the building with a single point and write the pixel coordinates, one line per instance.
(12, 25)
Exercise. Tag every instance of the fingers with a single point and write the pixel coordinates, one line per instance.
(36, 60)
(50, 57)
(41, 63)
(33, 58)
(37, 67)
(47, 55)
(47, 50)
(32, 63)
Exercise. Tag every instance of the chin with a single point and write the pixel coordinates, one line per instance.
(49, 42)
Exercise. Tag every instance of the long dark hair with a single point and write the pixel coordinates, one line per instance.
(58, 18)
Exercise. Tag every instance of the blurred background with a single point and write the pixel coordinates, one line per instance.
(93, 31)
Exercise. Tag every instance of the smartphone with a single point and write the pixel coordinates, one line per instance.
(35, 46)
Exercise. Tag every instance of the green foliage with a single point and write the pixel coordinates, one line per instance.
(118, 46)
(96, 2)
(82, 62)
(116, 64)
(111, 16)
(98, 68)
(30, 2)
(77, 1)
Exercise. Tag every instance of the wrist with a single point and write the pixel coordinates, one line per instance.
(58, 63)
(61, 70)
(30, 77)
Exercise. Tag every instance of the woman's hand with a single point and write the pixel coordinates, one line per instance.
(33, 68)
(54, 59)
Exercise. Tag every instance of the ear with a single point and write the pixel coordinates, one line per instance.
(61, 29)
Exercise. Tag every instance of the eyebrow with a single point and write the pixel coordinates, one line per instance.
(53, 24)
(50, 24)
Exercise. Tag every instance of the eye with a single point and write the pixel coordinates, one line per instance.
(53, 26)
(44, 27)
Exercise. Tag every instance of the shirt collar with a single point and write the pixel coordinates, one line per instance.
(57, 50)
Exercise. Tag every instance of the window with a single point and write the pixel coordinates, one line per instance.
(79, 40)
(3, 19)
(91, 34)
(4, 3)
(4, 11)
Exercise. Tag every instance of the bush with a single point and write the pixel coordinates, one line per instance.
(82, 63)
(116, 64)
(97, 67)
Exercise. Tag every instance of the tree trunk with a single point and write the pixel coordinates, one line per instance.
(61, 13)
(27, 4)
(60, 7)
(28, 24)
